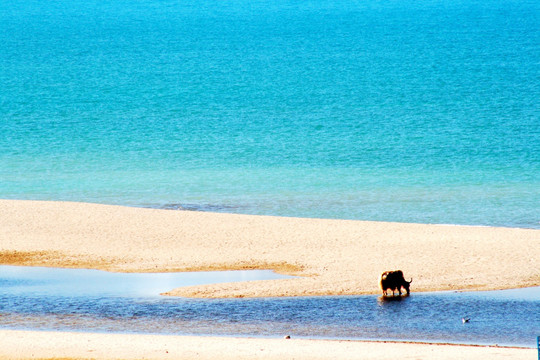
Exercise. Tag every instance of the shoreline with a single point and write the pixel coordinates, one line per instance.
(330, 257)
(212, 209)
(20, 345)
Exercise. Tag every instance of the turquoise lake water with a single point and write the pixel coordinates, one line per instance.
(414, 111)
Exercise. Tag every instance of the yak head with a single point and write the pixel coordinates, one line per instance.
(407, 285)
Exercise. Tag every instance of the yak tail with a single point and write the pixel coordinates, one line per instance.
(410, 281)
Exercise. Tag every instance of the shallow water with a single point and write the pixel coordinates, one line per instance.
(56, 301)
(80, 283)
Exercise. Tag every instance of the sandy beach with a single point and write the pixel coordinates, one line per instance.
(62, 345)
(330, 257)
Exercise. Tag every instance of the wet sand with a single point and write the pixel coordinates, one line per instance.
(61, 345)
(331, 257)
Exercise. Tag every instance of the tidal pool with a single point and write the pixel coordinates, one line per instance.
(91, 300)
(83, 283)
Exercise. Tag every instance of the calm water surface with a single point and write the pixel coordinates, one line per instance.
(397, 110)
(89, 300)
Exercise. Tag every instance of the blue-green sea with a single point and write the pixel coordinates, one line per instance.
(395, 110)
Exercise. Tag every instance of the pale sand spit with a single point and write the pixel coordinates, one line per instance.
(63, 345)
(334, 257)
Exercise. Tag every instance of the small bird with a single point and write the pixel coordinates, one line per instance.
(465, 320)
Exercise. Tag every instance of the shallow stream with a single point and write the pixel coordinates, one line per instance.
(92, 300)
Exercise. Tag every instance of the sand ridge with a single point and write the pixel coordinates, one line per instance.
(331, 257)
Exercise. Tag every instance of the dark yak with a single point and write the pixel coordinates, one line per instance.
(394, 280)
